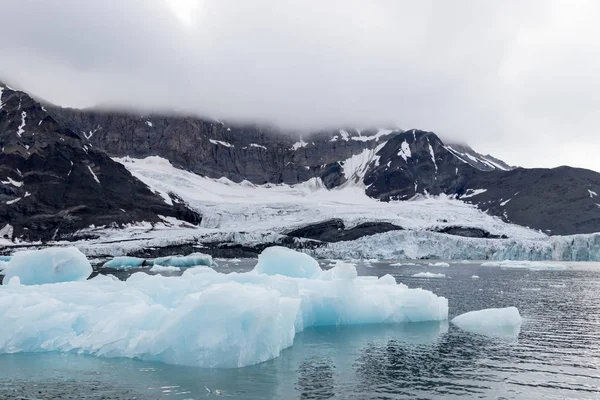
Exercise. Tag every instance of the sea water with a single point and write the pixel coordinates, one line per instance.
(556, 353)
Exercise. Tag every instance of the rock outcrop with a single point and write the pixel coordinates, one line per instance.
(53, 183)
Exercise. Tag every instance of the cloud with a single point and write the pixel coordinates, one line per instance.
(516, 79)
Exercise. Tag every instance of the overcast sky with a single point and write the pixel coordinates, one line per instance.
(517, 79)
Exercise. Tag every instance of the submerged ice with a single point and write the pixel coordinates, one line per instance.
(205, 318)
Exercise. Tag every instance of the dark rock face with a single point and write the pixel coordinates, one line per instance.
(216, 149)
(53, 183)
(334, 230)
(469, 232)
(561, 201)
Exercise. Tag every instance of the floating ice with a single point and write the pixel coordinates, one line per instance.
(278, 260)
(532, 265)
(428, 275)
(191, 260)
(204, 318)
(439, 264)
(399, 264)
(475, 277)
(52, 265)
(162, 268)
(491, 321)
(124, 262)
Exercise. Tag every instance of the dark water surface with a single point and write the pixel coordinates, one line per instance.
(556, 354)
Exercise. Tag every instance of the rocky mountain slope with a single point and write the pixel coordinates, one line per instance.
(392, 164)
(53, 183)
(44, 196)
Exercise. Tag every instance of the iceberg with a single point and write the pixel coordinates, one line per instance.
(205, 318)
(439, 264)
(491, 322)
(162, 268)
(428, 275)
(279, 260)
(190, 260)
(51, 265)
(124, 262)
(531, 265)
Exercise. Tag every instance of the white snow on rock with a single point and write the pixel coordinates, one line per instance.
(203, 318)
(299, 144)
(150, 124)
(93, 174)
(345, 135)
(380, 133)
(405, 152)
(51, 265)
(11, 181)
(278, 260)
(432, 154)
(491, 321)
(190, 260)
(472, 193)
(592, 194)
(428, 275)
(258, 146)
(13, 201)
(124, 262)
(220, 142)
(531, 265)
(21, 129)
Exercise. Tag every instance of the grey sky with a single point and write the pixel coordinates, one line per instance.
(516, 79)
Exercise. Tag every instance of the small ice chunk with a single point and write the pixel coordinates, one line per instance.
(439, 264)
(341, 270)
(124, 262)
(162, 268)
(428, 275)
(399, 264)
(475, 277)
(278, 260)
(492, 321)
(387, 279)
(51, 265)
(531, 265)
(190, 260)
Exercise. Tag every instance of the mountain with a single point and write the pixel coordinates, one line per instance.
(392, 164)
(53, 183)
(64, 170)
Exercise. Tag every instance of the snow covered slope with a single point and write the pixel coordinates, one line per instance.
(229, 206)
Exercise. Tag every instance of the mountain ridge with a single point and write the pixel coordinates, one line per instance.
(391, 164)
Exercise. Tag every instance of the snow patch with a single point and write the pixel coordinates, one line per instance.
(150, 124)
(405, 152)
(94, 175)
(298, 145)
(21, 129)
(592, 193)
(258, 146)
(472, 193)
(222, 143)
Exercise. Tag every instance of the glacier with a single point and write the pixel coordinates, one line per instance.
(51, 265)
(204, 318)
